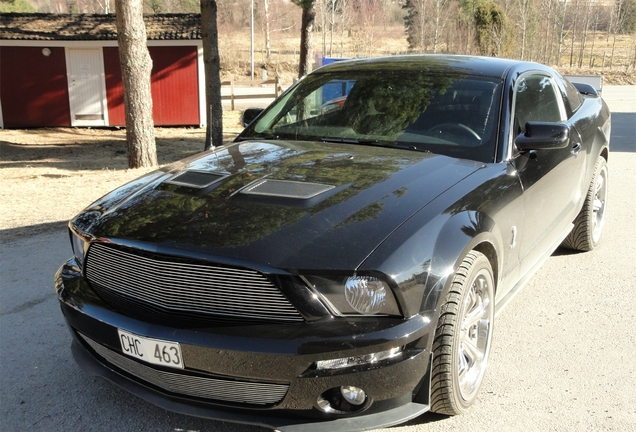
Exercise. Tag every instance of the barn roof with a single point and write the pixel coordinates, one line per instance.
(51, 27)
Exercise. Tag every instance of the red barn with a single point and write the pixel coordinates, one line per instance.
(63, 70)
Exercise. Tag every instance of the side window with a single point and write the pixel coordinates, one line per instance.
(537, 99)
(574, 97)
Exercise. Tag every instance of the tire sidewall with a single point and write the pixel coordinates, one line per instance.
(481, 266)
(601, 167)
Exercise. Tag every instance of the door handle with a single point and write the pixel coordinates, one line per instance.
(576, 148)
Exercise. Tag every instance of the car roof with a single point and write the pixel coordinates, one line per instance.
(451, 64)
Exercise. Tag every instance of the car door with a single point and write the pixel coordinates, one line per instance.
(550, 178)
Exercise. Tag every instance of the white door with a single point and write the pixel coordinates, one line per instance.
(86, 86)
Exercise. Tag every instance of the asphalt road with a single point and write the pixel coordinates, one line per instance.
(563, 351)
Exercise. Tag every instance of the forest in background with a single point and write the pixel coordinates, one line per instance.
(575, 36)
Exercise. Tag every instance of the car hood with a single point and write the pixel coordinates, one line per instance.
(275, 204)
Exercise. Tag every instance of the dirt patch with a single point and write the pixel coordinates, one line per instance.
(48, 175)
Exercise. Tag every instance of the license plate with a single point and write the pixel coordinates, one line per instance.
(153, 351)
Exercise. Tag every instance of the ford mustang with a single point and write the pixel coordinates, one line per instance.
(339, 266)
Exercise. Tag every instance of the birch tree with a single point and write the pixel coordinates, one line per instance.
(586, 26)
(415, 24)
(268, 39)
(441, 7)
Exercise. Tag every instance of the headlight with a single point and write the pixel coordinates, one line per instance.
(355, 295)
(367, 295)
(79, 243)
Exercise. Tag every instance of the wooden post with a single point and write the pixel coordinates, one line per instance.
(276, 84)
(232, 92)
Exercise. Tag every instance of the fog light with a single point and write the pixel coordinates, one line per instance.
(344, 400)
(353, 395)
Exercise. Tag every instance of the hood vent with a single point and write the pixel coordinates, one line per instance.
(286, 189)
(195, 179)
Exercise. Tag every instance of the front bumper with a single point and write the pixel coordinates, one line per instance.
(279, 355)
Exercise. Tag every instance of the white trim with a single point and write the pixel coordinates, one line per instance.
(1, 118)
(102, 75)
(94, 44)
(189, 42)
(203, 115)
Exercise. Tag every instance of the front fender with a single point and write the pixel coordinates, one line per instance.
(423, 260)
(480, 212)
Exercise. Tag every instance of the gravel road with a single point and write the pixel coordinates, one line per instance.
(562, 359)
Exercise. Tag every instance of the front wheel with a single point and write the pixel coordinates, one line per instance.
(588, 225)
(462, 338)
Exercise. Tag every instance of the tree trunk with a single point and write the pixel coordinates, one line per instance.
(437, 18)
(268, 39)
(344, 5)
(306, 39)
(561, 34)
(212, 66)
(524, 26)
(422, 16)
(551, 31)
(136, 67)
(586, 25)
(574, 28)
(323, 26)
(594, 38)
(332, 23)
(371, 36)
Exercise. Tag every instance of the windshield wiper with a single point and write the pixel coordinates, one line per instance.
(340, 140)
(373, 142)
(261, 137)
(411, 147)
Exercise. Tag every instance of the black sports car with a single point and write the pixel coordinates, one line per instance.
(340, 264)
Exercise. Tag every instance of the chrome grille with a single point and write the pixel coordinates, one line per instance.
(243, 392)
(170, 288)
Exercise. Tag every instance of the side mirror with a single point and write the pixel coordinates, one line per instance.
(543, 136)
(249, 115)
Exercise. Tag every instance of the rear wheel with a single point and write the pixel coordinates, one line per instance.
(588, 225)
(462, 338)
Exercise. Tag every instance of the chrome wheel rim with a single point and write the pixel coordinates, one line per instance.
(598, 206)
(475, 334)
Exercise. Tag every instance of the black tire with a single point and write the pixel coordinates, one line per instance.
(462, 343)
(588, 225)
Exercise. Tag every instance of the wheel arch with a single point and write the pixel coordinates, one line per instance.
(453, 243)
(486, 240)
(488, 249)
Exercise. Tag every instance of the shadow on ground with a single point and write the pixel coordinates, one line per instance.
(623, 132)
(11, 235)
(105, 152)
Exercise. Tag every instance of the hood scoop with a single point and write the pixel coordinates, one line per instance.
(286, 189)
(195, 179)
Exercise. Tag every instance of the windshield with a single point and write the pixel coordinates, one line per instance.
(445, 114)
